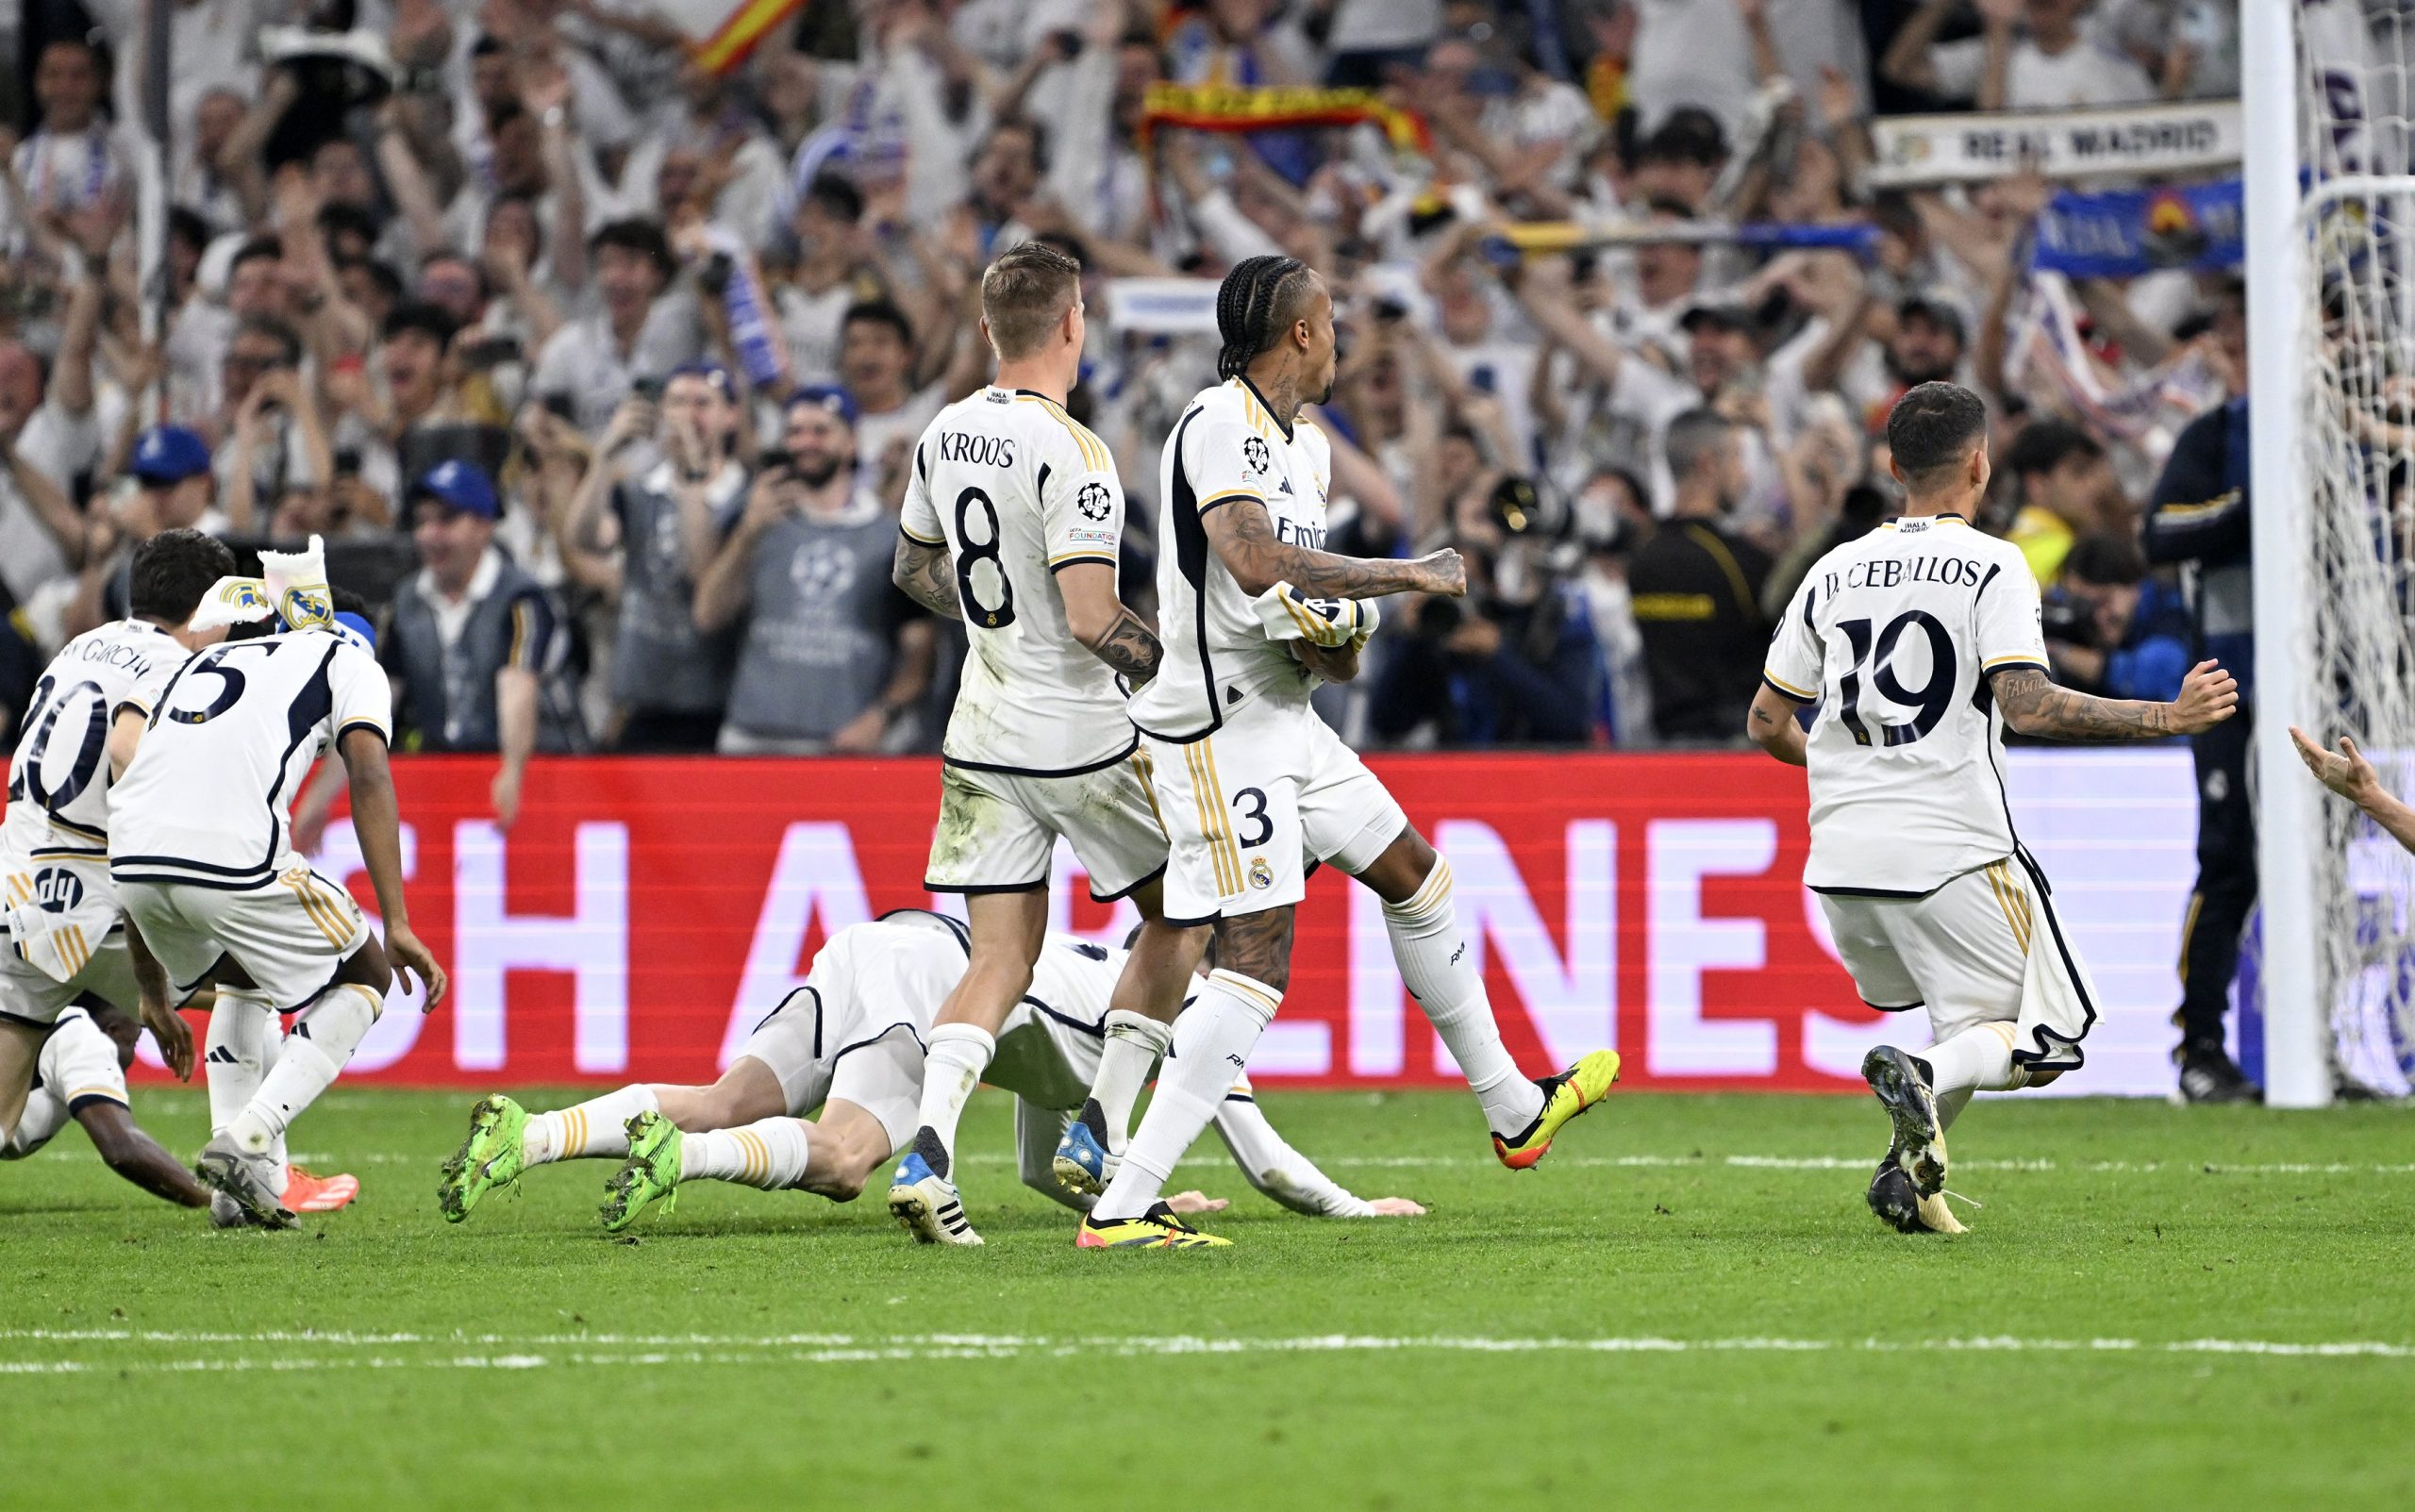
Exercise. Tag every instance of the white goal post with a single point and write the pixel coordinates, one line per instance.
(2331, 210)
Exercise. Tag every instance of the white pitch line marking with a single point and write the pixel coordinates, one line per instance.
(326, 1161)
(540, 1351)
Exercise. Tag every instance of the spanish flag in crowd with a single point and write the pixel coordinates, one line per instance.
(722, 32)
(1281, 107)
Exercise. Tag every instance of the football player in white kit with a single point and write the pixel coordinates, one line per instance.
(1917, 645)
(1013, 524)
(58, 912)
(199, 850)
(1251, 783)
(848, 1043)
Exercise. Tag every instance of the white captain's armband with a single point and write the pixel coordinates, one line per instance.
(1285, 615)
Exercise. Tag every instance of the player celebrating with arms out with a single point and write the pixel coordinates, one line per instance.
(1912, 642)
(1250, 781)
(200, 853)
(1013, 524)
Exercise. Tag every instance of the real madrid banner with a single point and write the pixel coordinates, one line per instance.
(2132, 232)
(2144, 141)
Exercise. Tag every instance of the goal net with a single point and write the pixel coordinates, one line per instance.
(2354, 465)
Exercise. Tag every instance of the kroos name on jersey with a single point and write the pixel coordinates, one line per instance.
(990, 451)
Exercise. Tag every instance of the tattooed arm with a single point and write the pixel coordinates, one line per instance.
(1771, 725)
(926, 576)
(2034, 706)
(1101, 621)
(1244, 536)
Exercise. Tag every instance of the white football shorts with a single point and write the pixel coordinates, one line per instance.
(289, 933)
(998, 830)
(1985, 947)
(81, 911)
(881, 1073)
(1248, 806)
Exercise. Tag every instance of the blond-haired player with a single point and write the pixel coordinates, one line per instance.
(1013, 524)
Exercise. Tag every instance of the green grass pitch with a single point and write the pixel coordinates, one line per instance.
(1685, 1306)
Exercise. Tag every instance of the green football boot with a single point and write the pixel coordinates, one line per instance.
(491, 1157)
(649, 1176)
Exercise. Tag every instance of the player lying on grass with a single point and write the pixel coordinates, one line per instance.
(80, 1074)
(59, 914)
(848, 1042)
(1917, 644)
(200, 853)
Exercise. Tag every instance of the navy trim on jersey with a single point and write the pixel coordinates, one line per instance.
(984, 889)
(954, 927)
(1268, 406)
(2016, 666)
(75, 1107)
(1876, 892)
(6, 1017)
(1191, 560)
(314, 694)
(1042, 491)
(1100, 765)
(1097, 896)
(1788, 693)
(52, 852)
(917, 539)
(1894, 1007)
(1096, 1031)
(1063, 562)
(370, 725)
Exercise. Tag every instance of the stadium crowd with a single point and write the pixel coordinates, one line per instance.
(600, 371)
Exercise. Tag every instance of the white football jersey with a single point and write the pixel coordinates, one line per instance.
(58, 783)
(1017, 490)
(207, 797)
(1226, 446)
(1896, 635)
(901, 968)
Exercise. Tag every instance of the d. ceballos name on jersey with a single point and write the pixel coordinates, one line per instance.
(1894, 571)
(990, 451)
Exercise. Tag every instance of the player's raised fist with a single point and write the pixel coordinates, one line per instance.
(2208, 696)
(1443, 572)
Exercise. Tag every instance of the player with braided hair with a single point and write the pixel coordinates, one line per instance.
(1250, 784)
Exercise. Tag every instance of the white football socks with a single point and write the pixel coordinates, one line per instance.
(1134, 1045)
(1431, 952)
(237, 1050)
(243, 1042)
(1211, 1044)
(770, 1154)
(957, 1055)
(1978, 1059)
(324, 1038)
(44, 1115)
(596, 1127)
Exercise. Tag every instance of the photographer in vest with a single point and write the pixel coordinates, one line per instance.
(833, 657)
(649, 518)
(474, 640)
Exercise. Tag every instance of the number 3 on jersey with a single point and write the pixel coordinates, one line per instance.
(970, 554)
(1929, 701)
